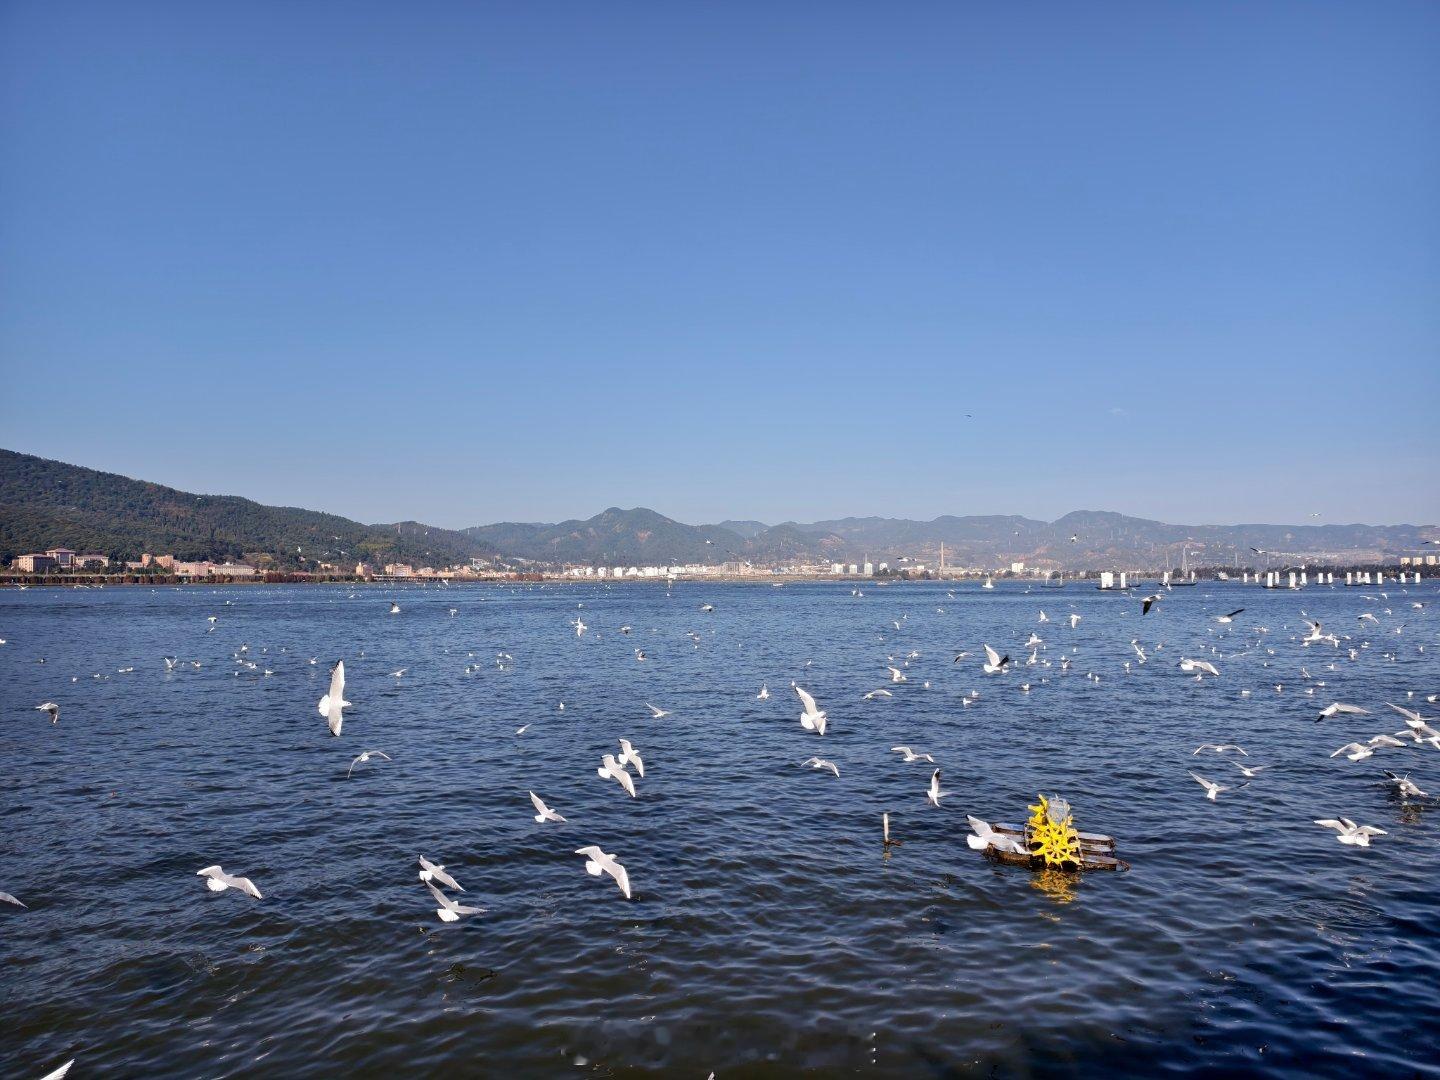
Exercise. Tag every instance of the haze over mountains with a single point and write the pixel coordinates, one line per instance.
(47, 503)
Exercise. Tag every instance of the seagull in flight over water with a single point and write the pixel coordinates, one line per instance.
(217, 880)
(1212, 789)
(543, 813)
(449, 910)
(598, 862)
(366, 756)
(1349, 832)
(333, 704)
(813, 718)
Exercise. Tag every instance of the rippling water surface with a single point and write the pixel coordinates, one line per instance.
(769, 932)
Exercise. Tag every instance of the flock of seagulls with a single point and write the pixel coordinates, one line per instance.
(626, 765)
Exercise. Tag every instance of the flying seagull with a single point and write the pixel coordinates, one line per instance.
(597, 863)
(1219, 748)
(1226, 619)
(1349, 832)
(333, 704)
(1211, 788)
(216, 880)
(5, 897)
(51, 708)
(1146, 603)
(613, 770)
(986, 837)
(933, 794)
(994, 661)
(1339, 708)
(436, 872)
(820, 763)
(630, 756)
(366, 756)
(543, 813)
(812, 719)
(764, 693)
(449, 910)
(910, 755)
(656, 714)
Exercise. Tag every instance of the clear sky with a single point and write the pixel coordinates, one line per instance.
(466, 262)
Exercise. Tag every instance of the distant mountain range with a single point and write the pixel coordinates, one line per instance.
(45, 504)
(50, 504)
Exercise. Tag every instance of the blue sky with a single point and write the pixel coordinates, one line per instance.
(470, 262)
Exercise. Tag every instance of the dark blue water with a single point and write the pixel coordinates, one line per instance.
(769, 932)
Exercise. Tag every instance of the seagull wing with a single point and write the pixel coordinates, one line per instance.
(992, 656)
(806, 700)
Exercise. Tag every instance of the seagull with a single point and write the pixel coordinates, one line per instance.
(764, 694)
(1367, 615)
(1405, 786)
(876, 693)
(1139, 649)
(400, 673)
(449, 910)
(597, 863)
(1211, 788)
(333, 704)
(436, 872)
(1416, 722)
(394, 608)
(707, 607)
(985, 836)
(628, 755)
(580, 628)
(656, 714)
(216, 880)
(170, 662)
(821, 763)
(896, 675)
(5, 897)
(933, 794)
(1044, 617)
(1350, 833)
(613, 770)
(1225, 620)
(1251, 771)
(1359, 751)
(812, 719)
(1198, 666)
(1340, 708)
(1074, 620)
(1146, 603)
(543, 813)
(366, 756)
(58, 1074)
(994, 661)
(910, 755)
(51, 708)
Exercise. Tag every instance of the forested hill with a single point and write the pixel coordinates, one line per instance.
(46, 504)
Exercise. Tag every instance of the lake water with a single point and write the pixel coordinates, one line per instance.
(769, 931)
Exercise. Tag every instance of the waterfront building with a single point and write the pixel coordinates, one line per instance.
(35, 563)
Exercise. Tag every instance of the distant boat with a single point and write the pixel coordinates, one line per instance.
(1055, 582)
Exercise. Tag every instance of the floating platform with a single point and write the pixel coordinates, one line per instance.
(1097, 852)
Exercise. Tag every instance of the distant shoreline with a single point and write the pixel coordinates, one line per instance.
(1083, 579)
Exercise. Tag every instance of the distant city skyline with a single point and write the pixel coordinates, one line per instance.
(746, 262)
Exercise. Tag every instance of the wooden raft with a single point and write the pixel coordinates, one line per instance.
(1097, 852)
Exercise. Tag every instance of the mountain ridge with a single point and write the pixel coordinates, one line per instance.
(46, 503)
